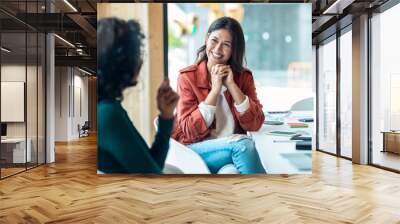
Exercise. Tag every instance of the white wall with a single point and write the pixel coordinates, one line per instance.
(16, 73)
(80, 97)
(33, 126)
(61, 103)
(70, 84)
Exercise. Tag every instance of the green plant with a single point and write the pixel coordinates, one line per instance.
(174, 41)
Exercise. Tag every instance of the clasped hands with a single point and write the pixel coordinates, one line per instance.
(221, 75)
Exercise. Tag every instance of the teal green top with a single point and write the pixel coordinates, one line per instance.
(121, 148)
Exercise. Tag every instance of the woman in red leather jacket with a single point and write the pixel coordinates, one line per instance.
(218, 102)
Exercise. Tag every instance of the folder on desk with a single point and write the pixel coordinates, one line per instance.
(297, 125)
(303, 145)
(310, 119)
(302, 137)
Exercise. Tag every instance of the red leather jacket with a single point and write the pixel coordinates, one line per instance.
(193, 88)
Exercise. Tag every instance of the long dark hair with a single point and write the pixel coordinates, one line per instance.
(119, 56)
(238, 45)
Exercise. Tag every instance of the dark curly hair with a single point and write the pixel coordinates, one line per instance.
(119, 56)
(238, 44)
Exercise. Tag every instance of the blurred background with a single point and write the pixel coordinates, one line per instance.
(278, 45)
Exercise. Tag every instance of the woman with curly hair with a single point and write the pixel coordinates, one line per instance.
(121, 149)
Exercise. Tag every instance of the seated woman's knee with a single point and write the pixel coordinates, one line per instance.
(244, 145)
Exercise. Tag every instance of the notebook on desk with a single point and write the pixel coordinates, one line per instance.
(302, 137)
(303, 142)
(303, 145)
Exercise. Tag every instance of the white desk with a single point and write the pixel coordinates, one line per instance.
(18, 150)
(282, 157)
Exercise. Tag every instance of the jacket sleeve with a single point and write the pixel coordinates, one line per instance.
(189, 117)
(253, 118)
(123, 143)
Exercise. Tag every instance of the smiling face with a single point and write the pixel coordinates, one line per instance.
(219, 46)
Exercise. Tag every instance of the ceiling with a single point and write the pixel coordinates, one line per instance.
(331, 15)
(76, 23)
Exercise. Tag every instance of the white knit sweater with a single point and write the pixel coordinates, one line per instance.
(225, 124)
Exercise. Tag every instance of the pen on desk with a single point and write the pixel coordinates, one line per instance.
(282, 141)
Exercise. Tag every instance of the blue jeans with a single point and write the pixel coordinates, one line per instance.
(216, 153)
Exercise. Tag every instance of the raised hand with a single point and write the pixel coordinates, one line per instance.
(166, 100)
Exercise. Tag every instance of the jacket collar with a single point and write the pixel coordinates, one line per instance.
(202, 75)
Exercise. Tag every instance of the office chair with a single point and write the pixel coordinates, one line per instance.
(187, 161)
(84, 130)
(182, 159)
(306, 104)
